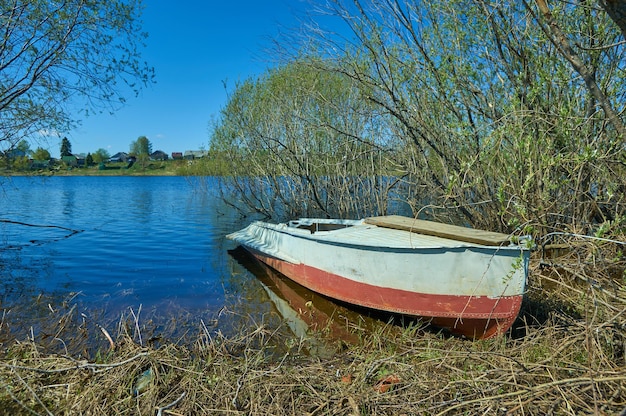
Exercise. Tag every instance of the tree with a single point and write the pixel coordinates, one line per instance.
(66, 147)
(24, 147)
(53, 53)
(471, 103)
(616, 9)
(141, 146)
(301, 141)
(556, 35)
(89, 159)
(141, 149)
(18, 157)
(41, 154)
(101, 155)
(491, 119)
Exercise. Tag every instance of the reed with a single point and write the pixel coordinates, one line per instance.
(564, 356)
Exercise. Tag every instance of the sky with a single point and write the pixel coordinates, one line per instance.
(194, 46)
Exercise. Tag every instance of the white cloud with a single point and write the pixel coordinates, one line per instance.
(48, 133)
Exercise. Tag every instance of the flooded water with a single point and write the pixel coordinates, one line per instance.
(120, 245)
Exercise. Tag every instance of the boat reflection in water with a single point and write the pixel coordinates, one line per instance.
(314, 318)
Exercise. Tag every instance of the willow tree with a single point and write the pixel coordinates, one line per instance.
(493, 121)
(141, 149)
(56, 56)
(301, 141)
(616, 9)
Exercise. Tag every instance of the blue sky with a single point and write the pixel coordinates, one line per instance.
(194, 47)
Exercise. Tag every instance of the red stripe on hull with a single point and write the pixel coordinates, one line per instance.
(475, 317)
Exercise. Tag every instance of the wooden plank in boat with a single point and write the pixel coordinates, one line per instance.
(453, 232)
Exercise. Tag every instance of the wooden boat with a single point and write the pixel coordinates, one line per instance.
(468, 281)
(305, 312)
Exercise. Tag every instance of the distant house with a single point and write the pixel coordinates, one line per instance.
(40, 164)
(70, 160)
(81, 159)
(158, 155)
(195, 154)
(119, 157)
(177, 155)
(14, 153)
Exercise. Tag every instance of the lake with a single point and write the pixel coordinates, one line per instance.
(114, 243)
(150, 247)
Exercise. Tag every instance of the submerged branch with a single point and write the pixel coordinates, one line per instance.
(71, 231)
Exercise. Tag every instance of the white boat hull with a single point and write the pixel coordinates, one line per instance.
(472, 290)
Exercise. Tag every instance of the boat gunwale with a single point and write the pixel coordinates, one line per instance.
(318, 236)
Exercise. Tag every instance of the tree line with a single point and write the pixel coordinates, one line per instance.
(506, 115)
(19, 157)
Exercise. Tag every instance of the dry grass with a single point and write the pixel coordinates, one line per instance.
(566, 356)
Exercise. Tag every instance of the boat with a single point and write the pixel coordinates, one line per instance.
(306, 313)
(467, 281)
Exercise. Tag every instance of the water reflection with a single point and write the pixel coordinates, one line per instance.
(141, 202)
(155, 243)
(310, 315)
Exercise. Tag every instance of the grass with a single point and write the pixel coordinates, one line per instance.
(565, 356)
(199, 167)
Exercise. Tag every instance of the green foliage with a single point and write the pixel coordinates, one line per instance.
(20, 163)
(141, 146)
(55, 54)
(470, 103)
(41, 154)
(310, 140)
(212, 165)
(497, 123)
(23, 146)
(141, 149)
(66, 147)
(100, 155)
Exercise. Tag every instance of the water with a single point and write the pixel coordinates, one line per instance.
(115, 243)
(154, 248)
